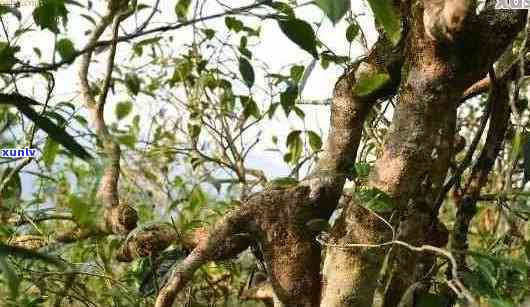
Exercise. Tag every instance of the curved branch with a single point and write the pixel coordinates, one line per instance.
(119, 218)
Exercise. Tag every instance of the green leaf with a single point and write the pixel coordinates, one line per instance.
(375, 200)
(132, 82)
(430, 300)
(13, 281)
(300, 33)
(368, 83)
(250, 107)
(209, 33)
(385, 15)
(80, 210)
(48, 14)
(197, 197)
(476, 283)
(50, 151)
(194, 131)
(297, 71)
(243, 47)
(181, 9)
(362, 170)
(7, 56)
(66, 49)
(295, 146)
(352, 31)
(128, 140)
(247, 72)
(288, 98)
(123, 109)
(234, 24)
(334, 9)
(283, 8)
(13, 188)
(314, 140)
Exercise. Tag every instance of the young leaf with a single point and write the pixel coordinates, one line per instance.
(80, 210)
(297, 71)
(181, 9)
(250, 108)
(50, 151)
(334, 9)
(385, 15)
(247, 72)
(13, 188)
(300, 33)
(362, 170)
(123, 109)
(295, 146)
(7, 56)
(375, 200)
(66, 49)
(132, 81)
(314, 140)
(368, 83)
(351, 32)
(234, 24)
(288, 98)
(48, 13)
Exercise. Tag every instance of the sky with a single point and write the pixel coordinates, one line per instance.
(274, 49)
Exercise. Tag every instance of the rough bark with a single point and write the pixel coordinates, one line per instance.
(418, 225)
(435, 75)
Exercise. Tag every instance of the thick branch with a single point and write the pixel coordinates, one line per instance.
(222, 242)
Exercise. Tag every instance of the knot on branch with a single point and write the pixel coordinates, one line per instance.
(444, 19)
(120, 219)
(28, 242)
(149, 241)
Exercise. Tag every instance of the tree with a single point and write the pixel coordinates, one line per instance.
(365, 217)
